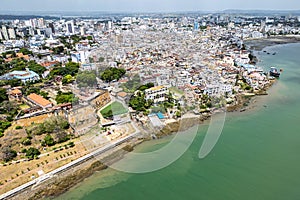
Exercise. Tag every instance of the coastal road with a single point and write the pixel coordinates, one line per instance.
(74, 163)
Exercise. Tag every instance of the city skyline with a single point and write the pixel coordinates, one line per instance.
(144, 5)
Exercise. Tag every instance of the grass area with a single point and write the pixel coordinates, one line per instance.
(24, 106)
(115, 108)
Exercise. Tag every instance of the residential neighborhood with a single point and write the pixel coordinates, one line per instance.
(68, 81)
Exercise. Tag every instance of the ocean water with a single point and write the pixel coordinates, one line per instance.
(256, 157)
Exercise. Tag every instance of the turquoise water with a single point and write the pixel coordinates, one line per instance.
(256, 157)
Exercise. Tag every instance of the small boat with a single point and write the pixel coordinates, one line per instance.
(274, 53)
(274, 72)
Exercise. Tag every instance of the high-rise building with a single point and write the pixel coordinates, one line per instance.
(38, 31)
(51, 25)
(12, 33)
(1, 37)
(40, 23)
(4, 32)
(82, 30)
(109, 25)
(31, 31)
(48, 32)
(70, 27)
(196, 26)
(33, 23)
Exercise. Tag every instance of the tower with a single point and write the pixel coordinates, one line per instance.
(196, 26)
(4, 32)
(52, 27)
(70, 27)
(12, 33)
(82, 31)
(1, 37)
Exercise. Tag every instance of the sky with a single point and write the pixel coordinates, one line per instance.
(146, 5)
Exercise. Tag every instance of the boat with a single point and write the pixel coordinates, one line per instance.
(274, 72)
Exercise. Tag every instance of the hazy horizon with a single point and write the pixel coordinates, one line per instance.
(143, 5)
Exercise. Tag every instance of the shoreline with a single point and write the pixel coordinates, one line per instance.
(261, 43)
(70, 178)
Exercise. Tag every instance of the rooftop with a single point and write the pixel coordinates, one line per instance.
(39, 99)
(15, 91)
(156, 88)
(22, 75)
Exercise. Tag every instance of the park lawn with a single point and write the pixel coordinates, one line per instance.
(116, 107)
(24, 106)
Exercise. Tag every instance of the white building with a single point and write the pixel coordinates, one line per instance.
(80, 56)
(4, 33)
(82, 31)
(157, 94)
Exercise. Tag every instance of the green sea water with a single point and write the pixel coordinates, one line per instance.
(256, 157)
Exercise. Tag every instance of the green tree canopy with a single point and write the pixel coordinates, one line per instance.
(3, 95)
(48, 140)
(32, 152)
(86, 79)
(67, 97)
(70, 68)
(67, 79)
(112, 73)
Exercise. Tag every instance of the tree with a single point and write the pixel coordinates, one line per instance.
(48, 140)
(67, 79)
(101, 59)
(7, 154)
(44, 94)
(139, 103)
(33, 66)
(3, 95)
(26, 141)
(145, 87)
(58, 50)
(4, 125)
(112, 73)
(25, 51)
(32, 153)
(61, 136)
(67, 97)
(70, 68)
(86, 79)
